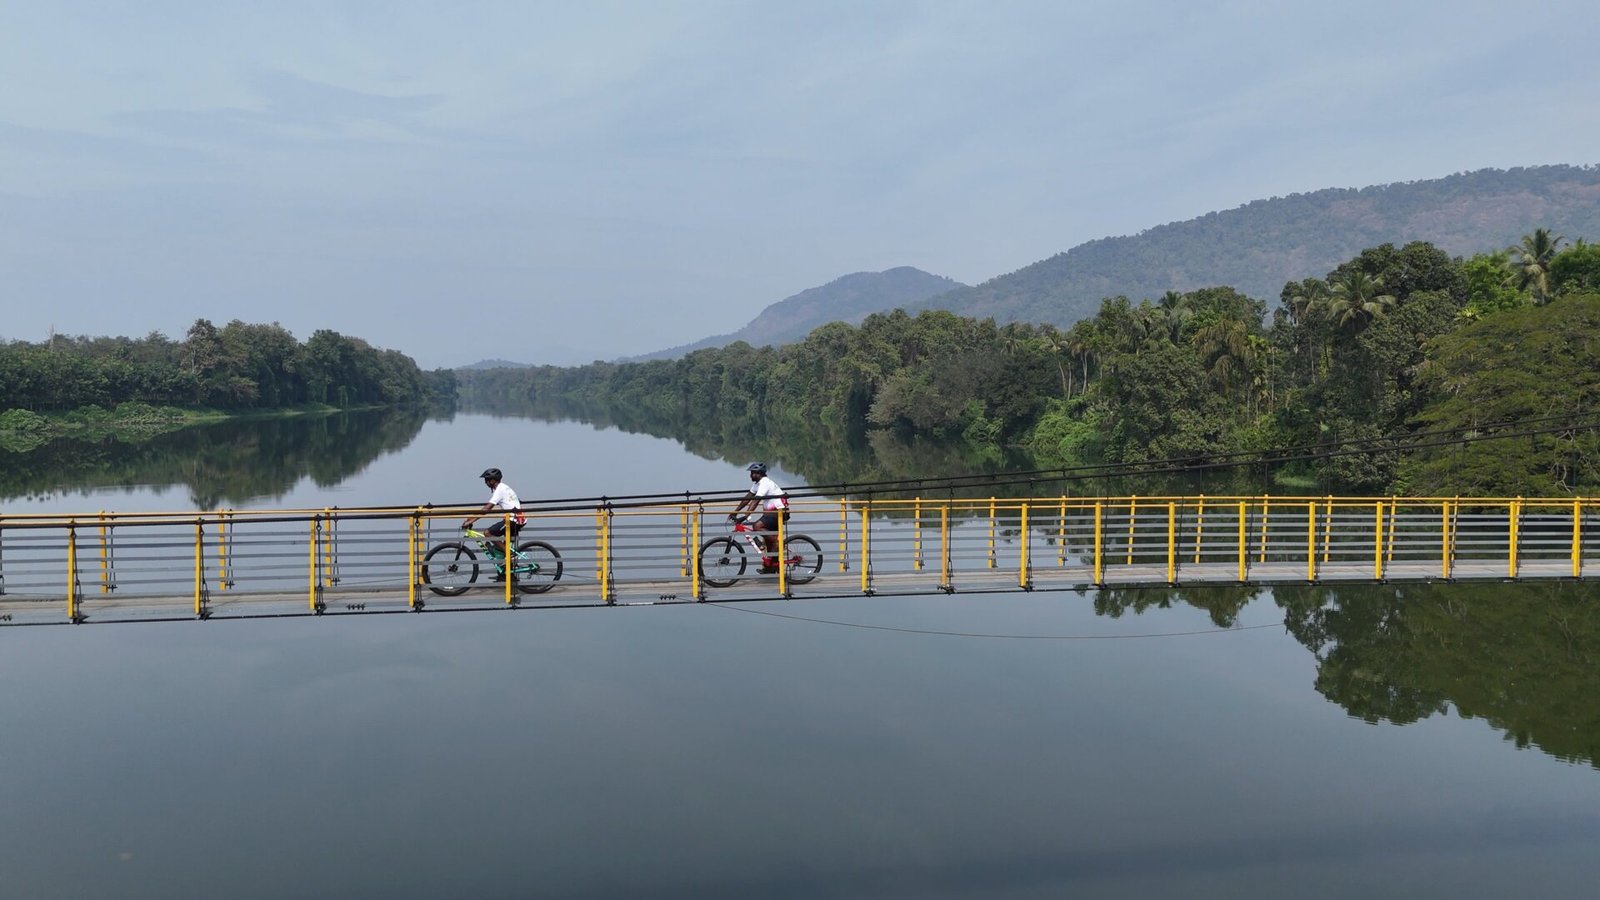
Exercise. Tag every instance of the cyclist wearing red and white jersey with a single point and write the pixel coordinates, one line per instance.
(773, 503)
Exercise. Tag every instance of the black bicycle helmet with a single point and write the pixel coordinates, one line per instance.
(760, 468)
(491, 473)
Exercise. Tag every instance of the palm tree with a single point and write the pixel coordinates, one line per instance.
(1355, 298)
(1227, 350)
(1311, 294)
(1081, 345)
(1055, 345)
(1532, 263)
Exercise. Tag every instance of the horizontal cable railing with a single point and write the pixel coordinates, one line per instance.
(244, 563)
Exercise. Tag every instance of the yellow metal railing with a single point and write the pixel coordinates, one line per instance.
(652, 552)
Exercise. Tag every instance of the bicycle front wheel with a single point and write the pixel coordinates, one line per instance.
(538, 567)
(803, 557)
(449, 569)
(721, 561)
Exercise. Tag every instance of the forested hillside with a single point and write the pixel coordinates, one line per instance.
(1387, 344)
(848, 299)
(1260, 246)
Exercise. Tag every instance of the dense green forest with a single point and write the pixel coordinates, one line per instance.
(1391, 342)
(1257, 247)
(236, 368)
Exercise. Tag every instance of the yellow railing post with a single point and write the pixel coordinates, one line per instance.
(1516, 536)
(945, 581)
(1446, 546)
(1327, 531)
(1266, 516)
(223, 560)
(1172, 542)
(73, 614)
(783, 560)
(1199, 520)
(1393, 527)
(916, 534)
(413, 552)
(199, 569)
(1061, 535)
(695, 521)
(1577, 538)
(1377, 542)
(866, 548)
(1023, 581)
(507, 558)
(316, 545)
(1311, 542)
(844, 534)
(603, 549)
(105, 556)
(1099, 541)
(1133, 516)
(992, 562)
(1244, 550)
(688, 547)
(327, 550)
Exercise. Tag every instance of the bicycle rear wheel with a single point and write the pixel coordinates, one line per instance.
(538, 567)
(721, 561)
(803, 557)
(449, 569)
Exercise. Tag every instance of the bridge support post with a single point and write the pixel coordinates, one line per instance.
(1099, 543)
(313, 573)
(946, 572)
(202, 608)
(1024, 570)
(1172, 542)
(74, 614)
(866, 548)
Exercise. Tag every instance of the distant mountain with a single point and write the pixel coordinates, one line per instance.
(1261, 245)
(847, 299)
(496, 364)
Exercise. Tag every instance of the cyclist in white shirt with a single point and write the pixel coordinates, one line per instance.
(774, 503)
(502, 497)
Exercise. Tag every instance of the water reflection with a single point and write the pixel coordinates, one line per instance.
(1522, 657)
(226, 464)
(831, 457)
(1177, 744)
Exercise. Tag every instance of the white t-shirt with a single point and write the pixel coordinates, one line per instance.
(772, 495)
(504, 497)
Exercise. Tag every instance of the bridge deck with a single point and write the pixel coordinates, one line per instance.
(357, 599)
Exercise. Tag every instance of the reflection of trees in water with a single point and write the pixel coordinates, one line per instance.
(1222, 603)
(836, 454)
(226, 464)
(829, 454)
(1523, 657)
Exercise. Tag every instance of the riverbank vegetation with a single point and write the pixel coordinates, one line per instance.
(128, 386)
(1394, 342)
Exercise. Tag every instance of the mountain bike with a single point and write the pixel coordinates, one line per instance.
(450, 568)
(723, 558)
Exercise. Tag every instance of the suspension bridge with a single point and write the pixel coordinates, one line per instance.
(122, 567)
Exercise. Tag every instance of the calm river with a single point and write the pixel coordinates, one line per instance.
(1408, 741)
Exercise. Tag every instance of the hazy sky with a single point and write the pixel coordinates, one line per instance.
(559, 182)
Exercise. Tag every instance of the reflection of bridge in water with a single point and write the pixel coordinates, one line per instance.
(105, 567)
